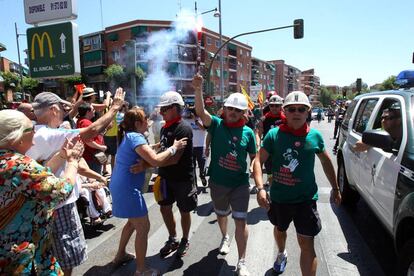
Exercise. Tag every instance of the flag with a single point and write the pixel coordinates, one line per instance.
(260, 98)
(249, 100)
(79, 87)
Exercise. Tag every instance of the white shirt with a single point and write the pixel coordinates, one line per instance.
(199, 135)
(48, 141)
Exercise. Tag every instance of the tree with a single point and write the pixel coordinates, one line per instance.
(326, 96)
(29, 84)
(140, 75)
(11, 80)
(389, 84)
(115, 73)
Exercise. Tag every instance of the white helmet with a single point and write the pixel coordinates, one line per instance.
(236, 100)
(170, 98)
(276, 99)
(297, 97)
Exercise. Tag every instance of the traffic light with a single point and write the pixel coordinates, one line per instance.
(298, 28)
(358, 84)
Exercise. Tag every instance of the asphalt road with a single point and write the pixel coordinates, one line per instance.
(352, 241)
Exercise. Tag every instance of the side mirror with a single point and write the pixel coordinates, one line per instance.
(379, 139)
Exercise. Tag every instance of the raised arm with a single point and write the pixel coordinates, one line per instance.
(98, 126)
(199, 103)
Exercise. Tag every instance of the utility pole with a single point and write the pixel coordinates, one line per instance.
(20, 64)
(221, 58)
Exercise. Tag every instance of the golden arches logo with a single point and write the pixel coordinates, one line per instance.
(40, 43)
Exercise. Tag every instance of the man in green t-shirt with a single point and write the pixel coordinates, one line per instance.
(231, 141)
(293, 194)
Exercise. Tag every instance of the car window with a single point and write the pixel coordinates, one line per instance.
(386, 103)
(348, 114)
(364, 113)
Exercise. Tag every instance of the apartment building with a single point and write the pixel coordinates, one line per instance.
(263, 76)
(113, 46)
(287, 77)
(310, 84)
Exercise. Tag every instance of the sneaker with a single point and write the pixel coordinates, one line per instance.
(280, 263)
(225, 245)
(242, 268)
(170, 246)
(203, 181)
(183, 247)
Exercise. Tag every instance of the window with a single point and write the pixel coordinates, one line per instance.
(116, 55)
(387, 103)
(348, 115)
(217, 43)
(208, 40)
(241, 52)
(364, 113)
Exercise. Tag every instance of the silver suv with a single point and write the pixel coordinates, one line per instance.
(383, 174)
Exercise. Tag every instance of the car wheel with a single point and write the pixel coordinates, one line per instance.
(406, 259)
(349, 196)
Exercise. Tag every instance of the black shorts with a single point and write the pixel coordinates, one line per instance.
(111, 145)
(305, 217)
(182, 192)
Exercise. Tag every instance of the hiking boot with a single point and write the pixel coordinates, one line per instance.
(280, 263)
(170, 246)
(183, 247)
(225, 245)
(242, 268)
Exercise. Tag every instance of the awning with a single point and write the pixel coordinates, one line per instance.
(232, 47)
(92, 56)
(138, 30)
(113, 36)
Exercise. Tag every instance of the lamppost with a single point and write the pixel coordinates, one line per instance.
(20, 64)
(297, 34)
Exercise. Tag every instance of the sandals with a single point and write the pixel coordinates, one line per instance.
(96, 221)
(126, 258)
(149, 272)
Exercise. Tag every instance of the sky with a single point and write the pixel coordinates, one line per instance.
(343, 39)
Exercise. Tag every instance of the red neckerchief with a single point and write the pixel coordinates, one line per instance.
(280, 115)
(239, 123)
(171, 122)
(302, 131)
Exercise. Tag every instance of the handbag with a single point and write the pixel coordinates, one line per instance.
(101, 157)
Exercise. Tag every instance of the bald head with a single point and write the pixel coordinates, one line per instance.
(27, 109)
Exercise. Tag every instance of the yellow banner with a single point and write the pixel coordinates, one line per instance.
(249, 100)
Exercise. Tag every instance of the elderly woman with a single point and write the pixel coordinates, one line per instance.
(125, 186)
(28, 194)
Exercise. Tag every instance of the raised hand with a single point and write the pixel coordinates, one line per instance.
(292, 165)
(118, 98)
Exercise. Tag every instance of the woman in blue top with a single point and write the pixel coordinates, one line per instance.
(126, 186)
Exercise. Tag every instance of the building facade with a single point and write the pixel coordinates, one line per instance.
(263, 77)
(310, 84)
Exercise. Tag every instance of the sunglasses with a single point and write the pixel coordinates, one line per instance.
(275, 105)
(165, 108)
(29, 129)
(298, 109)
(229, 108)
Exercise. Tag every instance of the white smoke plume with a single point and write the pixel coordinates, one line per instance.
(161, 45)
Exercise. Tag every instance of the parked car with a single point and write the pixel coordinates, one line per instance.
(315, 113)
(384, 174)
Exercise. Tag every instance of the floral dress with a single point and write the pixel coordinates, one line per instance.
(28, 194)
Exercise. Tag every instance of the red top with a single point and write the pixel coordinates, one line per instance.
(89, 152)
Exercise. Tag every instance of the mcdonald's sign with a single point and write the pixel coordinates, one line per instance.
(40, 42)
(53, 50)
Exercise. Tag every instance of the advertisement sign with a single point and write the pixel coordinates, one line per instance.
(37, 11)
(53, 50)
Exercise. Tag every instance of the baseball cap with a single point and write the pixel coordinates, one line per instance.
(170, 98)
(87, 92)
(46, 99)
(297, 97)
(237, 100)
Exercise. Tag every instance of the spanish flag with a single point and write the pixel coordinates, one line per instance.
(249, 100)
(260, 98)
(79, 87)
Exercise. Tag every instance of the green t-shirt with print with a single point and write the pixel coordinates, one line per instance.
(229, 148)
(293, 161)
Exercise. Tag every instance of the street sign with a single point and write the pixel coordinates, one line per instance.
(37, 11)
(53, 50)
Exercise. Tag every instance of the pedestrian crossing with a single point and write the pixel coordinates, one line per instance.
(203, 257)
